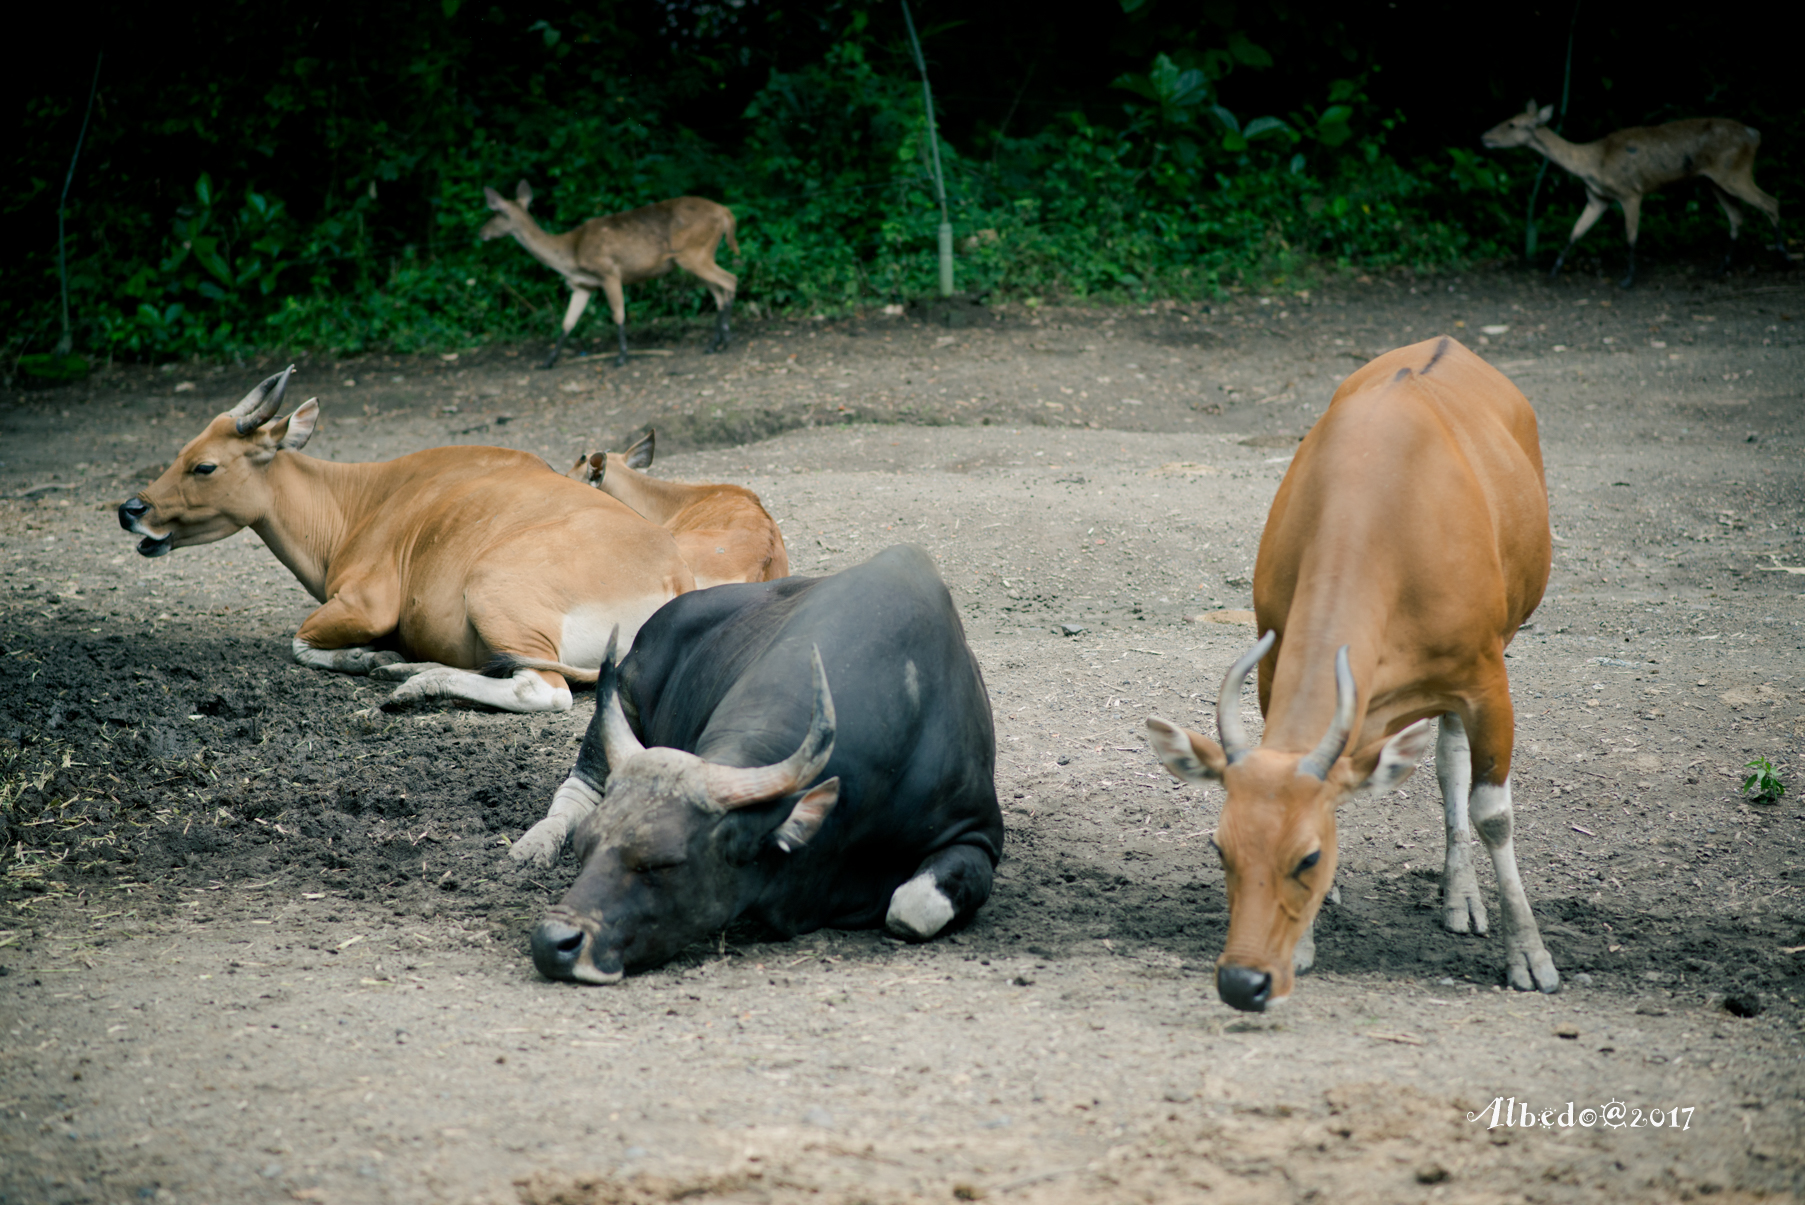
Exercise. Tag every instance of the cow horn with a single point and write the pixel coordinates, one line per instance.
(618, 741)
(1322, 758)
(1228, 701)
(733, 787)
(262, 402)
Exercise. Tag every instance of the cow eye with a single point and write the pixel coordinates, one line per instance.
(1309, 861)
(201, 470)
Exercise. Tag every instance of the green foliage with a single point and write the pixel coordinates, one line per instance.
(1170, 194)
(1764, 785)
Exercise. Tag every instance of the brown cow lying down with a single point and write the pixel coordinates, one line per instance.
(723, 532)
(453, 556)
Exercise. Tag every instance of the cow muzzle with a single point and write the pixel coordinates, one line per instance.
(1244, 988)
(565, 946)
(131, 518)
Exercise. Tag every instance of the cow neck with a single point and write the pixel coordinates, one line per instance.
(1342, 610)
(314, 505)
(659, 501)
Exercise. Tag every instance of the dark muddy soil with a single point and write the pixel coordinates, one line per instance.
(312, 939)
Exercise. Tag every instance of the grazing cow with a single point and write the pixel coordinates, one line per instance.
(451, 556)
(711, 802)
(1406, 545)
(723, 531)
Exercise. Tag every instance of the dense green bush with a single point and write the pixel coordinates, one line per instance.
(1164, 193)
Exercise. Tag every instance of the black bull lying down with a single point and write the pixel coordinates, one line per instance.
(710, 803)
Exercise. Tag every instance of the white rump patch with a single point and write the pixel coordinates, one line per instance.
(918, 909)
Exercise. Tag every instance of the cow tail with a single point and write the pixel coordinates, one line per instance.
(506, 665)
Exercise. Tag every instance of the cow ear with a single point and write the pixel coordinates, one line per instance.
(807, 816)
(639, 454)
(1382, 766)
(1186, 756)
(300, 425)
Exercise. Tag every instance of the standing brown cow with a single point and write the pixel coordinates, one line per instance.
(1407, 544)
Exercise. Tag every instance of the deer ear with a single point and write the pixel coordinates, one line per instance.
(639, 453)
(523, 195)
(493, 198)
(1545, 116)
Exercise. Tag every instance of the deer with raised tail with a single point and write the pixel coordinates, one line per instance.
(609, 253)
(1626, 166)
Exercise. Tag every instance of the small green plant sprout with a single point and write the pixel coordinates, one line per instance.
(1764, 785)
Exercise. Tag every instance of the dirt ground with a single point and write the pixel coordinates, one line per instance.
(254, 948)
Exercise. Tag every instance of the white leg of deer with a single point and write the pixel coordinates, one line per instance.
(525, 691)
(1527, 964)
(358, 659)
(1462, 909)
(542, 843)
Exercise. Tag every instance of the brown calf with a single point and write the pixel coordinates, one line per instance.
(1626, 166)
(722, 531)
(1407, 543)
(622, 249)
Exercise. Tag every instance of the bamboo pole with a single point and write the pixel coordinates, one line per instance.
(927, 96)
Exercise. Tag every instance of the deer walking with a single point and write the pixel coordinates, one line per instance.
(1628, 165)
(609, 253)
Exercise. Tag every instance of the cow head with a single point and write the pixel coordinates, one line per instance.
(511, 217)
(1276, 837)
(217, 484)
(1519, 130)
(592, 469)
(673, 850)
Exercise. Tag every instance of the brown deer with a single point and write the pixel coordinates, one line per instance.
(622, 249)
(723, 532)
(1626, 166)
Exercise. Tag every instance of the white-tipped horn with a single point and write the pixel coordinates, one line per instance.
(732, 786)
(1321, 759)
(1228, 701)
(618, 741)
(261, 403)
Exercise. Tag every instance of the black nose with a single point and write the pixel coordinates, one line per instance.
(1243, 988)
(132, 509)
(556, 946)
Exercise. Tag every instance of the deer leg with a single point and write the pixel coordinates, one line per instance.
(579, 301)
(1632, 222)
(1462, 909)
(722, 285)
(1595, 207)
(1734, 215)
(1527, 965)
(617, 305)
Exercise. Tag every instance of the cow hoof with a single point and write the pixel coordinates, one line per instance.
(1464, 913)
(538, 848)
(1531, 970)
(399, 670)
(918, 909)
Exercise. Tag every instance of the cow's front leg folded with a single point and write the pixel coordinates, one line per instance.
(945, 892)
(401, 671)
(527, 690)
(355, 659)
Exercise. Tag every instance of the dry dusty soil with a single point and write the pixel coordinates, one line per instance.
(254, 948)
